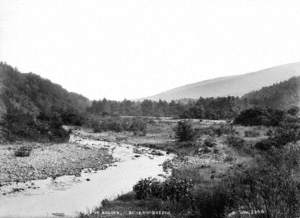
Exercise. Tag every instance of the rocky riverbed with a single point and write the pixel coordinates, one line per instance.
(70, 177)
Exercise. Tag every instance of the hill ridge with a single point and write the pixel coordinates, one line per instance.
(235, 85)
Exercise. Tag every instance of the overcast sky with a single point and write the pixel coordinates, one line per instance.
(135, 48)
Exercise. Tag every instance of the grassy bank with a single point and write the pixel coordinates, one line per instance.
(217, 150)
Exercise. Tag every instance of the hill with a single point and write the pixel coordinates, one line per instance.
(232, 85)
(31, 106)
(281, 95)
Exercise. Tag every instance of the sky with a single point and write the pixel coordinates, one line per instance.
(136, 48)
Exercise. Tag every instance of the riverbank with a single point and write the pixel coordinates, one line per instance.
(204, 163)
(84, 184)
(50, 160)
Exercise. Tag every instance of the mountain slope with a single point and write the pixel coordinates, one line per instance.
(33, 94)
(231, 85)
(282, 95)
(31, 106)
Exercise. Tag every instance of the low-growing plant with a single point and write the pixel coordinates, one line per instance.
(235, 141)
(211, 202)
(268, 186)
(223, 129)
(138, 127)
(173, 189)
(117, 124)
(23, 151)
(251, 133)
(209, 142)
(265, 144)
(146, 188)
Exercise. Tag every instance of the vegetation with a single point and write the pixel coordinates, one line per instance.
(264, 186)
(204, 108)
(23, 151)
(283, 95)
(131, 108)
(269, 187)
(184, 131)
(213, 108)
(117, 124)
(33, 108)
(252, 133)
(280, 96)
(260, 116)
(235, 141)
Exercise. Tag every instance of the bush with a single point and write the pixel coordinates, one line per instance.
(235, 141)
(45, 127)
(117, 124)
(279, 138)
(294, 111)
(138, 126)
(282, 136)
(265, 144)
(173, 189)
(251, 133)
(23, 151)
(212, 202)
(223, 130)
(260, 116)
(209, 142)
(268, 186)
(146, 188)
(184, 131)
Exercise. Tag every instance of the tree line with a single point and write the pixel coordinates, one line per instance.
(203, 108)
(283, 96)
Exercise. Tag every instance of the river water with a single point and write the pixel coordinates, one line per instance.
(68, 195)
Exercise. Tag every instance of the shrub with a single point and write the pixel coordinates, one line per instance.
(251, 133)
(209, 142)
(173, 189)
(146, 188)
(117, 124)
(294, 111)
(223, 130)
(268, 186)
(138, 126)
(211, 202)
(184, 131)
(284, 135)
(20, 125)
(279, 138)
(265, 144)
(23, 151)
(235, 141)
(260, 116)
(205, 131)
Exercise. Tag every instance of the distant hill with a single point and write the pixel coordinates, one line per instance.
(231, 85)
(29, 102)
(281, 95)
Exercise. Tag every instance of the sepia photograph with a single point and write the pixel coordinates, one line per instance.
(149, 109)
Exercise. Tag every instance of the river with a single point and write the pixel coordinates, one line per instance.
(68, 195)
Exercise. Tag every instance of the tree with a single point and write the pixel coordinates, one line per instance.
(184, 131)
